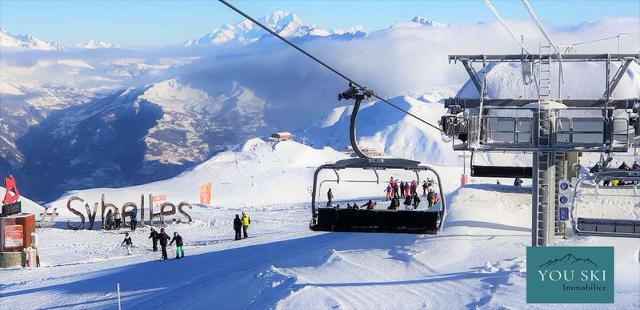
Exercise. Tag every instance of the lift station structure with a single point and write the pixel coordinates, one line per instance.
(554, 130)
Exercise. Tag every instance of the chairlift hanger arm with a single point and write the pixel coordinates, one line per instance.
(351, 81)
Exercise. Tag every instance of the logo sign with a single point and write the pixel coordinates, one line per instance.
(12, 193)
(570, 275)
(13, 236)
(11, 209)
(564, 214)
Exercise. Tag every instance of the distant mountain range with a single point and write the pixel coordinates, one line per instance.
(283, 23)
(245, 32)
(8, 40)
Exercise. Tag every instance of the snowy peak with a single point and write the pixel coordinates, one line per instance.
(8, 40)
(427, 22)
(418, 21)
(93, 44)
(286, 24)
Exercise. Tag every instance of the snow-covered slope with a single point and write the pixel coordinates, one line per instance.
(477, 261)
(275, 173)
(8, 40)
(285, 24)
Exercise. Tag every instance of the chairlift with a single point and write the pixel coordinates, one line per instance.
(493, 171)
(624, 187)
(328, 218)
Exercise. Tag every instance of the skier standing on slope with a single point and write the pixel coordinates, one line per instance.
(237, 226)
(109, 224)
(178, 239)
(245, 224)
(154, 238)
(127, 242)
(116, 216)
(134, 220)
(163, 238)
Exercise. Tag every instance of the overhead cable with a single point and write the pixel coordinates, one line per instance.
(229, 5)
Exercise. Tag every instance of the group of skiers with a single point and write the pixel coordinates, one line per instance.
(634, 167)
(394, 192)
(242, 223)
(158, 237)
(114, 221)
(407, 189)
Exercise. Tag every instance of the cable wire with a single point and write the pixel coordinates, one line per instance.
(537, 21)
(229, 5)
(504, 24)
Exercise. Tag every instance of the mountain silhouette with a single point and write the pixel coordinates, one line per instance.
(568, 259)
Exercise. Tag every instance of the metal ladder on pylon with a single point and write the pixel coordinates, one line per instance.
(543, 200)
(544, 73)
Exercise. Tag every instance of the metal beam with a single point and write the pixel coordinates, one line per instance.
(565, 57)
(470, 103)
(473, 74)
(616, 78)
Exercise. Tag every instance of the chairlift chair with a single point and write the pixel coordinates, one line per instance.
(613, 227)
(485, 171)
(328, 218)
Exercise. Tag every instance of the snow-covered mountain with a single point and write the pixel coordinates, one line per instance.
(8, 40)
(419, 21)
(94, 44)
(136, 135)
(285, 24)
(388, 130)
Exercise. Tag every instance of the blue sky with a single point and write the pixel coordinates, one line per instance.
(167, 22)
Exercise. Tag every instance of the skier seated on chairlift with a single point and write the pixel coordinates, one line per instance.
(430, 197)
(416, 201)
(517, 182)
(425, 186)
(407, 202)
(624, 166)
(370, 205)
(329, 198)
(635, 165)
(395, 203)
(388, 192)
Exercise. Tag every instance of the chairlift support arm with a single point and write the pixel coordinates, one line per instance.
(472, 74)
(616, 78)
